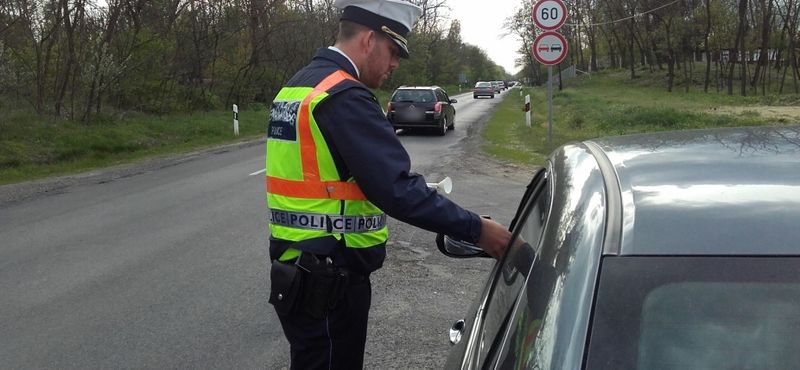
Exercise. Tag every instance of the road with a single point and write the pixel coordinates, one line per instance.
(164, 265)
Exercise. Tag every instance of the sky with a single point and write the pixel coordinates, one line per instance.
(482, 25)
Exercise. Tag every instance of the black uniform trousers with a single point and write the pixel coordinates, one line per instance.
(336, 341)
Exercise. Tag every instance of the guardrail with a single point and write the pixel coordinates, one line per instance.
(568, 73)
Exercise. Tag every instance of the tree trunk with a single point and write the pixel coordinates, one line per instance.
(741, 39)
(763, 57)
(631, 53)
(707, 46)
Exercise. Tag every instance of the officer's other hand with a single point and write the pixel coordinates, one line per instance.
(494, 238)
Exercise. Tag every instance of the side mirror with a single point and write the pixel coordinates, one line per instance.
(458, 249)
(453, 101)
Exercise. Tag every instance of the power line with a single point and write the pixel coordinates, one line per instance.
(626, 18)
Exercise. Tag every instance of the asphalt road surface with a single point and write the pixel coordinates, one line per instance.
(164, 264)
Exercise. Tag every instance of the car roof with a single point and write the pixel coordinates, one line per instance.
(733, 191)
(404, 87)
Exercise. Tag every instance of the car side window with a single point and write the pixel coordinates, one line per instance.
(440, 95)
(516, 264)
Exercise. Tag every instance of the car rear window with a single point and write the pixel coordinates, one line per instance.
(417, 96)
(483, 84)
(697, 313)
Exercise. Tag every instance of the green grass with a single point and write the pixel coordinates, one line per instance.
(33, 147)
(605, 104)
(611, 104)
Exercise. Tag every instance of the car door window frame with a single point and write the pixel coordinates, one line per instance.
(506, 275)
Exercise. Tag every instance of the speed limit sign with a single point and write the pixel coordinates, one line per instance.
(549, 15)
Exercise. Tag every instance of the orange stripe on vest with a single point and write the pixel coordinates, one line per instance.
(311, 187)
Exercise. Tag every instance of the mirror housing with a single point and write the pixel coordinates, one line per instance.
(453, 101)
(458, 249)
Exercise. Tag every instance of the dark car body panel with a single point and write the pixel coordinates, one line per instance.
(695, 182)
(689, 194)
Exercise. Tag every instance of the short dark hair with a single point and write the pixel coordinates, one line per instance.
(349, 29)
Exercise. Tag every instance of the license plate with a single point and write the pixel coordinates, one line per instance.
(412, 114)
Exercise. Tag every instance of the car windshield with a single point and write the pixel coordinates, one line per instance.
(659, 313)
(417, 96)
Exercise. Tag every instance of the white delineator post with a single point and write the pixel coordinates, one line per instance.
(235, 119)
(528, 110)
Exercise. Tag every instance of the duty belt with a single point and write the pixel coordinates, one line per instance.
(327, 222)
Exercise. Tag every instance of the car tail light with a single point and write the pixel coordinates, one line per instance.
(389, 107)
(476, 89)
(437, 108)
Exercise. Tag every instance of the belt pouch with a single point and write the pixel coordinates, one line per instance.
(319, 291)
(287, 283)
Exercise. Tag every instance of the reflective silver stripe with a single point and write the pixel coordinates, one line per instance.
(325, 222)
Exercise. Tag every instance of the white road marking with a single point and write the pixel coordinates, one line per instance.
(257, 172)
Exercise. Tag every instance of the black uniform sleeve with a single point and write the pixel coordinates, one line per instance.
(364, 145)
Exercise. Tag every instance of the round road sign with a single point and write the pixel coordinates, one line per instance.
(550, 48)
(549, 15)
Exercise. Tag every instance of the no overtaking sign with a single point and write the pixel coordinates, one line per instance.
(550, 48)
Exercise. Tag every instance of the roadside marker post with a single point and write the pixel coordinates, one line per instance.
(527, 110)
(235, 120)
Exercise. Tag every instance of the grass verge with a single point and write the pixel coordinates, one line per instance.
(34, 147)
(608, 104)
(605, 104)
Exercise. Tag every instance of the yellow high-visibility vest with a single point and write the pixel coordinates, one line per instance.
(305, 195)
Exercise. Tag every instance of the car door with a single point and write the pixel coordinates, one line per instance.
(444, 99)
(487, 321)
(535, 310)
(548, 326)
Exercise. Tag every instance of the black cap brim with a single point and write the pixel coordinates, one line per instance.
(403, 51)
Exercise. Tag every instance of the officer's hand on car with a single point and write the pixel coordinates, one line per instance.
(494, 238)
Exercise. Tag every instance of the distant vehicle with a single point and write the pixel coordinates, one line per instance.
(483, 88)
(496, 87)
(501, 84)
(671, 250)
(422, 107)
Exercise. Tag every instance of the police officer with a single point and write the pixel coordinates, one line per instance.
(335, 169)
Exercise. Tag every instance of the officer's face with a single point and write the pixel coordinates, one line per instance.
(383, 58)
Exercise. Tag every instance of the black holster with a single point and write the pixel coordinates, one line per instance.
(324, 286)
(310, 283)
(286, 285)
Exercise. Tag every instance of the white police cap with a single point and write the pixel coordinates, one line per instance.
(394, 17)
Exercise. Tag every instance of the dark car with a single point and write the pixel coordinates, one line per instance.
(483, 88)
(676, 250)
(422, 107)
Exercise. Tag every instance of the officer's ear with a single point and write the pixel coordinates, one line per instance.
(369, 41)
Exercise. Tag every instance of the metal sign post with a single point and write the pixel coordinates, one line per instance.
(550, 47)
(550, 99)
